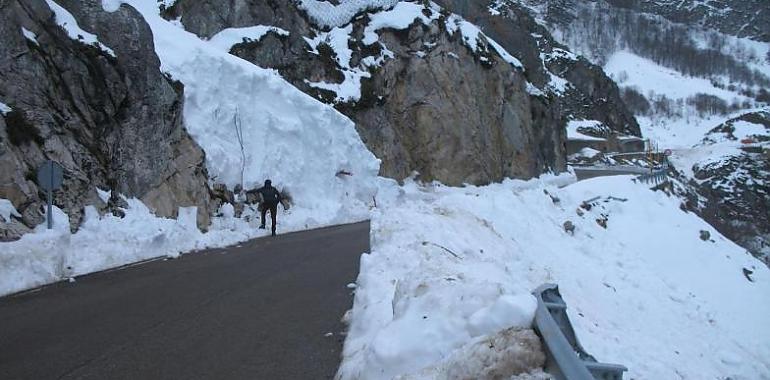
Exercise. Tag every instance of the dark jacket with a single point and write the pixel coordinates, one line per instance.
(269, 195)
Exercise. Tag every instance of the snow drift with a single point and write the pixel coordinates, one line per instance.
(453, 265)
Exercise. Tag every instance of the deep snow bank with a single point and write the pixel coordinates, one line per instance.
(449, 265)
(289, 137)
(298, 142)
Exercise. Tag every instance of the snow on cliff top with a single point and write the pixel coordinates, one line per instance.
(328, 15)
(66, 20)
(226, 38)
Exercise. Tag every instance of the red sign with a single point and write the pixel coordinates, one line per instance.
(667, 152)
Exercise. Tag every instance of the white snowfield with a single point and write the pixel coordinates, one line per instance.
(653, 80)
(449, 267)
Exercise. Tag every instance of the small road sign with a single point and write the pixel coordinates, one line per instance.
(49, 177)
(668, 152)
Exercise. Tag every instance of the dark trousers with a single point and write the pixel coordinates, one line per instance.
(273, 207)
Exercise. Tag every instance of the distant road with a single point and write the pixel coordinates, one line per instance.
(258, 311)
(586, 172)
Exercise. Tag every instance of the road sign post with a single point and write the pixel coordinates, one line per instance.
(49, 178)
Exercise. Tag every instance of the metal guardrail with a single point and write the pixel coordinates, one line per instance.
(656, 177)
(565, 357)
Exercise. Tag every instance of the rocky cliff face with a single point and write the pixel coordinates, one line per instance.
(425, 96)
(732, 192)
(100, 108)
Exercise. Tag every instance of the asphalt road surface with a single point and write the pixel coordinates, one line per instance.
(256, 311)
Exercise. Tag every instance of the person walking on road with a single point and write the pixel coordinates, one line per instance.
(269, 198)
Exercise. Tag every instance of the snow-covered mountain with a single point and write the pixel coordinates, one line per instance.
(161, 111)
(686, 68)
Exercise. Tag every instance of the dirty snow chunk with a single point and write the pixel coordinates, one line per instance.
(510, 352)
(66, 20)
(574, 134)
(5, 109)
(225, 39)
(29, 35)
(400, 17)
(6, 210)
(327, 15)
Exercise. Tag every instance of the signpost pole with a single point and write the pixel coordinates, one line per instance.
(50, 196)
(50, 209)
(49, 178)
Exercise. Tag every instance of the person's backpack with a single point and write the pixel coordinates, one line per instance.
(270, 195)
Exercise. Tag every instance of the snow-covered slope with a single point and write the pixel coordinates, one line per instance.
(450, 265)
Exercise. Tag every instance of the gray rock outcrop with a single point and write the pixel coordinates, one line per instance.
(112, 121)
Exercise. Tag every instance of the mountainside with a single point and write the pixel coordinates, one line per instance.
(685, 70)
(98, 105)
(395, 73)
(167, 114)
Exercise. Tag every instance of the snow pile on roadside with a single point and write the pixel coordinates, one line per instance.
(66, 20)
(103, 242)
(226, 38)
(450, 265)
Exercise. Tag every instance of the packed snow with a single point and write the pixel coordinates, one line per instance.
(66, 20)
(450, 265)
(226, 38)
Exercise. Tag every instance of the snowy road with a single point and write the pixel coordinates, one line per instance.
(258, 311)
